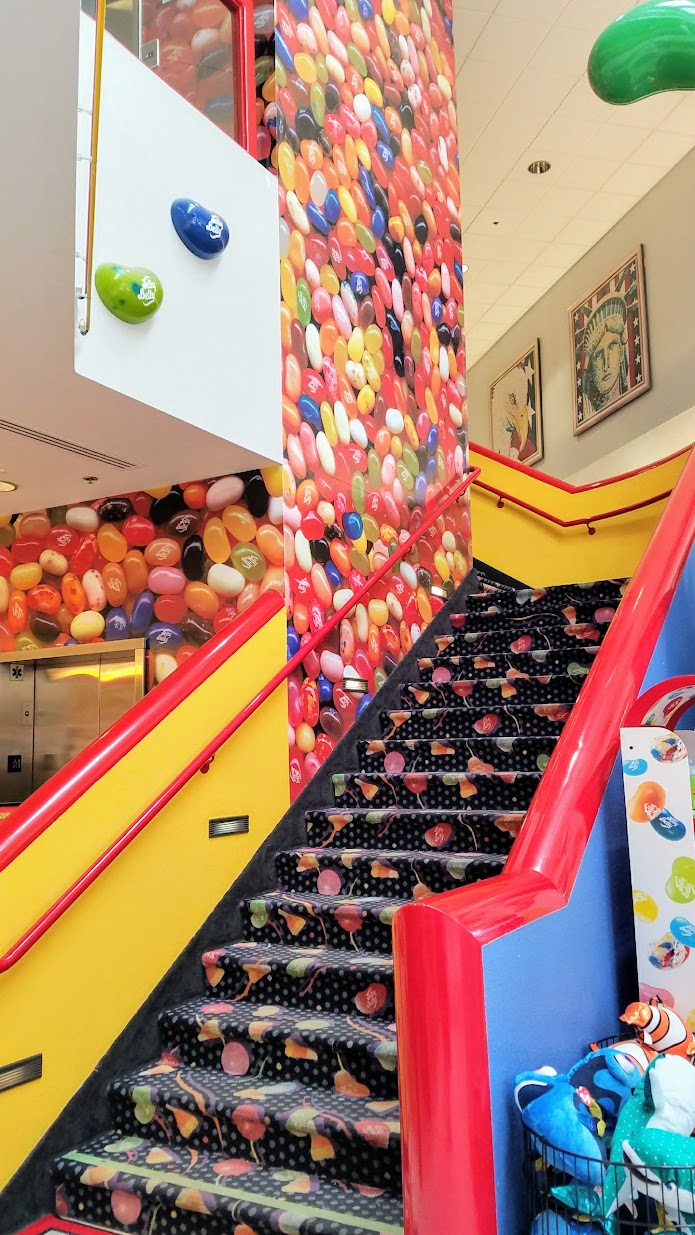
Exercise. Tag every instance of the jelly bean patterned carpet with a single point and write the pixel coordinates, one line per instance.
(273, 1109)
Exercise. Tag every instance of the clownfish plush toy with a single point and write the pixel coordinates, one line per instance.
(660, 1032)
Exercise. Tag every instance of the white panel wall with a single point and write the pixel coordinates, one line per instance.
(211, 355)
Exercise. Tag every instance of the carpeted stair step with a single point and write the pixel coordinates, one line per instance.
(403, 874)
(465, 643)
(575, 661)
(279, 1123)
(321, 921)
(431, 790)
(462, 722)
(525, 599)
(284, 1044)
(597, 611)
(146, 1188)
(323, 979)
(561, 687)
(459, 754)
(458, 831)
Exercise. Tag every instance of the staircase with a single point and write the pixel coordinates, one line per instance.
(274, 1106)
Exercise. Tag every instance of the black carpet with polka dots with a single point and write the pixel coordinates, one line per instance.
(273, 1109)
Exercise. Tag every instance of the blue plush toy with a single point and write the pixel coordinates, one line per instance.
(550, 1223)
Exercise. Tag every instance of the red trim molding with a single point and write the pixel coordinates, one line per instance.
(440, 994)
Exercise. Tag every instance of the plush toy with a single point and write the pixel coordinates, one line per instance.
(660, 1030)
(551, 1223)
(568, 1119)
(653, 1132)
(610, 1076)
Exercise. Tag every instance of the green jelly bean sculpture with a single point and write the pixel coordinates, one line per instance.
(646, 51)
(132, 293)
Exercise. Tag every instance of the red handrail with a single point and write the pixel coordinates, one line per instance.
(566, 485)
(31, 820)
(443, 1059)
(587, 521)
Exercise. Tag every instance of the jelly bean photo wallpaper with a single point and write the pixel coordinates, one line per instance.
(355, 105)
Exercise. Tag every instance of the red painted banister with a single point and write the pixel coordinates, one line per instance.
(438, 943)
(566, 485)
(586, 521)
(81, 773)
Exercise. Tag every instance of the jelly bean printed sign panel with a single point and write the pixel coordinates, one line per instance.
(374, 407)
(173, 566)
(661, 843)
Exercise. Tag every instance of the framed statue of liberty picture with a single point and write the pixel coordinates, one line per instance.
(516, 415)
(610, 344)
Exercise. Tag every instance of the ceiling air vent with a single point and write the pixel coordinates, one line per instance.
(59, 443)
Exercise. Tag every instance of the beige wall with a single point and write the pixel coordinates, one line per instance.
(664, 222)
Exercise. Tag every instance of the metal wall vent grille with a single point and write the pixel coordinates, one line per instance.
(20, 1073)
(59, 443)
(229, 825)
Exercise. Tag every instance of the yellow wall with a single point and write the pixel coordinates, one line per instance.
(534, 550)
(76, 990)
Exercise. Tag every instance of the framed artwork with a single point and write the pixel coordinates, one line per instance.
(610, 344)
(516, 415)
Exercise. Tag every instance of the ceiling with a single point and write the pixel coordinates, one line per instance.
(523, 95)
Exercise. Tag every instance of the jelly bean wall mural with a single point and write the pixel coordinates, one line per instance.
(374, 407)
(173, 565)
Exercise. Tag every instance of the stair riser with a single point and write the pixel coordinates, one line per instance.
(541, 617)
(452, 668)
(558, 596)
(463, 722)
(344, 927)
(493, 642)
(238, 1134)
(434, 831)
(273, 1058)
(319, 989)
(563, 689)
(524, 755)
(427, 791)
(402, 880)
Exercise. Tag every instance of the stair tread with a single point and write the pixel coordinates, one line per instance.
(240, 1190)
(389, 856)
(280, 1021)
(222, 1091)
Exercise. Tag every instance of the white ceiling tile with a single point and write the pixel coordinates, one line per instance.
(566, 135)
(588, 173)
(502, 315)
(476, 190)
(504, 272)
(662, 149)
(608, 207)
(582, 104)
(474, 6)
(616, 141)
(546, 90)
(582, 231)
(535, 10)
(502, 248)
(633, 179)
(486, 294)
(682, 118)
(565, 201)
(541, 277)
(563, 254)
(509, 41)
(519, 195)
(494, 223)
(490, 160)
(562, 52)
(522, 297)
(591, 16)
(513, 125)
(467, 30)
(559, 164)
(468, 214)
(647, 113)
(473, 274)
(538, 225)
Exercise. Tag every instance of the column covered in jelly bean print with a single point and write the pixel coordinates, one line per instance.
(374, 406)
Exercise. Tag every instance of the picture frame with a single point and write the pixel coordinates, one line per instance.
(609, 339)
(516, 409)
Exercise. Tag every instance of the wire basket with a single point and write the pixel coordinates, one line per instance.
(648, 1200)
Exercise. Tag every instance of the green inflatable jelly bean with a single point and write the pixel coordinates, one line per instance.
(131, 293)
(646, 51)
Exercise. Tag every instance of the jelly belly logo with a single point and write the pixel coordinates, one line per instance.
(215, 226)
(148, 291)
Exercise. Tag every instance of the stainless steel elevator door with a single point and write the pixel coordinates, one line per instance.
(16, 730)
(66, 716)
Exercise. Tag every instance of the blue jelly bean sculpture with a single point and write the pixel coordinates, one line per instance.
(203, 232)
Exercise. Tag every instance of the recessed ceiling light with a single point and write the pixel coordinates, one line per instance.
(539, 167)
(6, 486)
